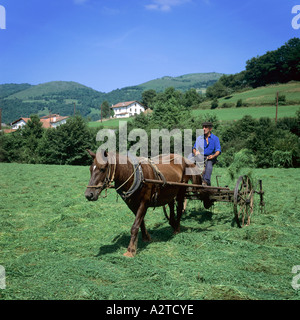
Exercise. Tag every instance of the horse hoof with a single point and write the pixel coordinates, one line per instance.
(128, 254)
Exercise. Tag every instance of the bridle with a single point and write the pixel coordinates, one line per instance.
(106, 184)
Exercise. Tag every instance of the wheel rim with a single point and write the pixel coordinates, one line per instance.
(243, 201)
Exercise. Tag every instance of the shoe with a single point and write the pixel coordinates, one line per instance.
(204, 183)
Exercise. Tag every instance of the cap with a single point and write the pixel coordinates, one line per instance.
(208, 124)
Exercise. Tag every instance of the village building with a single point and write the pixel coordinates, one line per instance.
(50, 121)
(20, 123)
(127, 109)
(53, 120)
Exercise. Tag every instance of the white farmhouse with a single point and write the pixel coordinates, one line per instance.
(20, 123)
(53, 120)
(127, 109)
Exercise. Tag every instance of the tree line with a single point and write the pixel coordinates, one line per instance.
(278, 66)
(259, 143)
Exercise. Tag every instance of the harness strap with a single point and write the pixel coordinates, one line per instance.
(137, 180)
(157, 172)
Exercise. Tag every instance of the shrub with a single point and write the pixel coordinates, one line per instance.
(242, 159)
(214, 104)
(282, 159)
(239, 103)
(227, 105)
(281, 99)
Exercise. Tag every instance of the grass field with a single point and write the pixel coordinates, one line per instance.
(225, 114)
(256, 112)
(263, 96)
(260, 101)
(56, 245)
(112, 123)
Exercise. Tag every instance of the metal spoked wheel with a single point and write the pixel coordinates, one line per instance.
(243, 201)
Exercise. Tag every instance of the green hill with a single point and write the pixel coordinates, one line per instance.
(262, 96)
(48, 88)
(199, 81)
(9, 89)
(259, 102)
(22, 100)
(55, 97)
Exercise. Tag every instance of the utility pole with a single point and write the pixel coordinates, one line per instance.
(101, 111)
(0, 119)
(276, 107)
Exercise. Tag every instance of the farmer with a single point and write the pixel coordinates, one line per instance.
(212, 149)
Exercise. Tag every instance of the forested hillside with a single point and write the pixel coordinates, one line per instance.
(22, 100)
(277, 66)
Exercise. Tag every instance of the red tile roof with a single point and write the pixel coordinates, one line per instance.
(25, 119)
(123, 104)
(46, 120)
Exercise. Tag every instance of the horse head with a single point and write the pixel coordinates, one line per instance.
(100, 175)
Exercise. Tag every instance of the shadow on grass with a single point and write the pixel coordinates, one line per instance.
(201, 216)
(158, 233)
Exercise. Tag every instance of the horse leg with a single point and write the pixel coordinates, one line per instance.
(172, 220)
(145, 235)
(131, 250)
(180, 201)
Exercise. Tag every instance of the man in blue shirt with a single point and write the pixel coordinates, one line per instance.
(212, 149)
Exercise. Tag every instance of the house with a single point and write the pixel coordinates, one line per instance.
(127, 109)
(20, 123)
(50, 121)
(53, 120)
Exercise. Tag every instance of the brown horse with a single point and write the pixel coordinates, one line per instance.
(139, 196)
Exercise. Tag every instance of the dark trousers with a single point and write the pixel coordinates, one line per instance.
(208, 166)
(208, 170)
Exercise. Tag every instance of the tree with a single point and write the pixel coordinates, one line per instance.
(218, 90)
(148, 98)
(281, 65)
(67, 144)
(169, 93)
(170, 114)
(214, 104)
(192, 98)
(32, 134)
(106, 110)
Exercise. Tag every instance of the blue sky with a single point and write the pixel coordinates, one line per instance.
(110, 44)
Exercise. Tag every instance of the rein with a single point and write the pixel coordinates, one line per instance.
(137, 181)
(108, 180)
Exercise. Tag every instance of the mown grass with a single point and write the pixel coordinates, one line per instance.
(56, 245)
(112, 123)
(231, 114)
(226, 114)
(263, 96)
